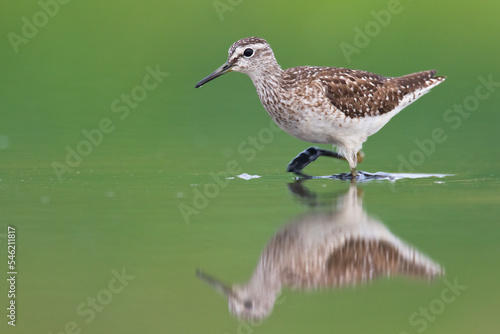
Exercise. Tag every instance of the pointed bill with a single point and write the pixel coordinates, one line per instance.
(216, 284)
(217, 73)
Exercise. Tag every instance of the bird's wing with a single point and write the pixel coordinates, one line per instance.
(358, 93)
(359, 260)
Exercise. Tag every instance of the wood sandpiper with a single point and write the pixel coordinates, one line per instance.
(340, 247)
(324, 105)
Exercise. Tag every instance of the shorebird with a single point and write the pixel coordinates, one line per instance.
(324, 249)
(324, 105)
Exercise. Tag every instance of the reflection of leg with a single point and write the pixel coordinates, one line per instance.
(302, 192)
(354, 175)
(306, 157)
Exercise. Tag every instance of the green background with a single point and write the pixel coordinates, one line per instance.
(120, 206)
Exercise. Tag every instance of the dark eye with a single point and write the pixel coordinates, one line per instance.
(248, 53)
(248, 303)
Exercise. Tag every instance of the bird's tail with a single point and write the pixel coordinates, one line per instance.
(414, 82)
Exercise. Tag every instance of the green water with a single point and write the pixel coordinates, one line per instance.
(113, 167)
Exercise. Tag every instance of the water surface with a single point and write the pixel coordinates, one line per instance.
(116, 204)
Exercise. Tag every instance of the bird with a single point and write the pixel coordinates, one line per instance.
(324, 105)
(331, 248)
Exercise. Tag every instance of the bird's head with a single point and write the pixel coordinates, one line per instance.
(248, 304)
(247, 301)
(252, 56)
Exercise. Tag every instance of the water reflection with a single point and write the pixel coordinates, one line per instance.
(336, 247)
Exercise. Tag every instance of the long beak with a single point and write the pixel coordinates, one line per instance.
(217, 73)
(216, 284)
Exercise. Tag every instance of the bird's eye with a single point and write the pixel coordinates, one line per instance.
(248, 53)
(248, 304)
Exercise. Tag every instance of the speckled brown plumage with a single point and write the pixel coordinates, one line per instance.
(244, 42)
(358, 93)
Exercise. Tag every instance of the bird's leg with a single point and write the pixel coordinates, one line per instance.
(354, 162)
(354, 175)
(306, 157)
(360, 156)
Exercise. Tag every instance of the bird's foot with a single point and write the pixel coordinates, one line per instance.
(362, 176)
(306, 157)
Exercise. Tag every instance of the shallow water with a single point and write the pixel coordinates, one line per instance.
(330, 246)
(75, 238)
(117, 204)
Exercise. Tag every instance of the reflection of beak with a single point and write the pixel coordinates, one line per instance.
(217, 73)
(216, 284)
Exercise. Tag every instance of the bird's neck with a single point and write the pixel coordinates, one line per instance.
(264, 285)
(267, 75)
(268, 83)
(266, 277)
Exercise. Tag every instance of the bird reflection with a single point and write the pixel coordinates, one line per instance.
(341, 246)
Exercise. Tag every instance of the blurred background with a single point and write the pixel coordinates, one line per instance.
(114, 169)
